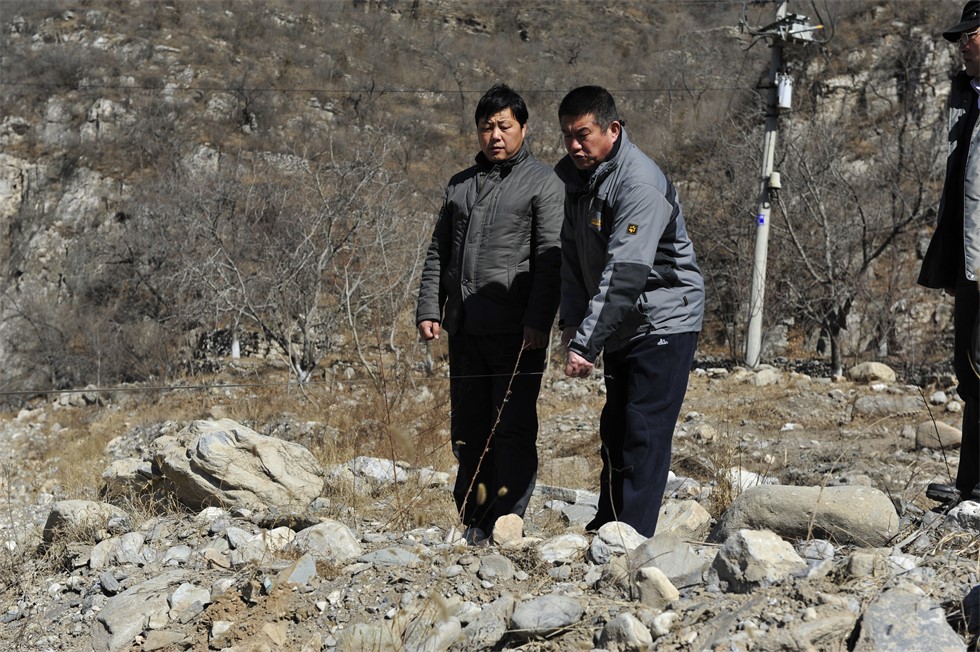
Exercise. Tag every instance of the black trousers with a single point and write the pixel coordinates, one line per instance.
(645, 387)
(482, 391)
(965, 309)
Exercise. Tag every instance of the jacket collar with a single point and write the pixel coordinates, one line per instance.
(504, 166)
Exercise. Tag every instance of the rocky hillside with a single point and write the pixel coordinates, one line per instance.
(795, 520)
(154, 154)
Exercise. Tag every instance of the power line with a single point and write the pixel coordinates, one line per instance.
(345, 91)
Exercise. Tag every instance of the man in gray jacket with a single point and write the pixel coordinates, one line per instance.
(491, 280)
(631, 289)
(952, 261)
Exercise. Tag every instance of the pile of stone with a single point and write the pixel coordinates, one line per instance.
(260, 557)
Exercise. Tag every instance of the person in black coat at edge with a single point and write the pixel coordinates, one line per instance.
(952, 261)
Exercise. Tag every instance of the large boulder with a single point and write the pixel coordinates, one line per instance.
(223, 463)
(858, 515)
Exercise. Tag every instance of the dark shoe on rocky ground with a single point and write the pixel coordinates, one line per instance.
(945, 493)
(474, 536)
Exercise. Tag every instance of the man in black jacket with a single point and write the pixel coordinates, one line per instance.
(952, 261)
(491, 280)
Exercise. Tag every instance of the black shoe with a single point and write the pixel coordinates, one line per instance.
(594, 525)
(975, 494)
(945, 493)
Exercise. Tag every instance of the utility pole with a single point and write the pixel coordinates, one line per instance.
(788, 29)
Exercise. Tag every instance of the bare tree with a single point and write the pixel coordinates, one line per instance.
(291, 246)
(855, 193)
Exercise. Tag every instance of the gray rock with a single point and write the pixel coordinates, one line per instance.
(618, 537)
(329, 541)
(188, 601)
(577, 513)
(110, 585)
(936, 434)
(624, 633)
(225, 463)
(545, 615)
(965, 516)
(752, 559)
(379, 471)
(905, 619)
(238, 537)
(563, 549)
(127, 478)
(888, 405)
(177, 555)
(131, 549)
(496, 568)
(685, 519)
(655, 590)
(818, 555)
(127, 549)
(574, 496)
(490, 625)
(80, 520)
(508, 528)
(741, 479)
(869, 372)
(764, 376)
(676, 558)
(299, 573)
(391, 556)
(857, 515)
(126, 615)
(599, 552)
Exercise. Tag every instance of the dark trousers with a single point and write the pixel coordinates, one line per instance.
(965, 309)
(481, 368)
(645, 386)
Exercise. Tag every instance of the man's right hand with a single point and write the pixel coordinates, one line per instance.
(429, 330)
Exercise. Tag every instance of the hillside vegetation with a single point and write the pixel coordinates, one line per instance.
(185, 175)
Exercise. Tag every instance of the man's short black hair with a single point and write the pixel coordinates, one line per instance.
(498, 98)
(590, 100)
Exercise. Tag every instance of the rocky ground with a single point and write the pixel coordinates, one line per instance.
(796, 520)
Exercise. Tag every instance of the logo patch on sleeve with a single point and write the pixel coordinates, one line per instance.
(632, 228)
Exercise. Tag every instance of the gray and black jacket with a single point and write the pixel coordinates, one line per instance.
(628, 265)
(493, 264)
(955, 246)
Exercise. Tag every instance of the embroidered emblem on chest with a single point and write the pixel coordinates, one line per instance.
(632, 229)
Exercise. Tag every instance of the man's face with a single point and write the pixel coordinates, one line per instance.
(500, 136)
(586, 142)
(970, 51)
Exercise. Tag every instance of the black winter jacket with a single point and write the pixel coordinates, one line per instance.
(493, 265)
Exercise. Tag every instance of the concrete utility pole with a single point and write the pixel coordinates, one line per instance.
(788, 29)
